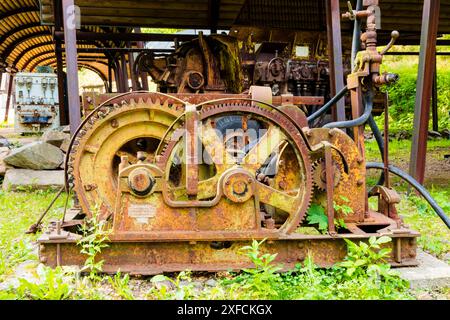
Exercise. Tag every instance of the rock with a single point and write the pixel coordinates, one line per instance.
(4, 142)
(211, 283)
(24, 179)
(446, 257)
(4, 151)
(424, 296)
(55, 138)
(37, 155)
(65, 145)
(166, 283)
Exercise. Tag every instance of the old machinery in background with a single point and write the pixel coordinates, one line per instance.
(36, 105)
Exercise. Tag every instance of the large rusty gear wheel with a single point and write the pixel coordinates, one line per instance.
(120, 127)
(279, 123)
(319, 174)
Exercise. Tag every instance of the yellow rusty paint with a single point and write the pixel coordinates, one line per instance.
(93, 162)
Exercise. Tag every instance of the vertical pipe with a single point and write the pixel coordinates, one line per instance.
(430, 21)
(110, 79)
(70, 46)
(57, 13)
(434, 106)
(356, 42)
(8, 95)
(142, 75)
(123, 60)
(335, 54)
(130, 67)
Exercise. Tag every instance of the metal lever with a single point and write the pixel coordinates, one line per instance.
(394, 36)
(351, 13)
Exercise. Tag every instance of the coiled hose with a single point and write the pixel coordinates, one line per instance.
(413, 182)
(380, 142)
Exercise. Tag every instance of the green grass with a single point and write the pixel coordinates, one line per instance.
(19, 210)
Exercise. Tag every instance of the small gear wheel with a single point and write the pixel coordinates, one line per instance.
(319, 174)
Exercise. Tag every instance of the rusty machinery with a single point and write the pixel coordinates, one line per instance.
(184, 180)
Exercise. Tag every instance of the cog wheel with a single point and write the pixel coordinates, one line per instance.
(278, 128)
(120, 127)
(319, 174)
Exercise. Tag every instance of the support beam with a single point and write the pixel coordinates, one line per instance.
(430, 21)
(434, 105)
(9, 93)
(122, 36)
(61, 85)
(70, 45)
(335, 54)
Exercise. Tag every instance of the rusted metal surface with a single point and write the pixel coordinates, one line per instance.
(157, 257)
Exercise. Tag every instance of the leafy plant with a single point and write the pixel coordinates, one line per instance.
(183, 287)
(121, 285)
(93, 241)
(360, 257)
(317, 216)
(52, 284)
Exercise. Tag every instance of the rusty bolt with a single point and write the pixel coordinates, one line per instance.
(270, 223)
(300, 245)
(331, 133)
(359, 160)
(307, 131)
(282, 185)
(360, 182)
(114, 123)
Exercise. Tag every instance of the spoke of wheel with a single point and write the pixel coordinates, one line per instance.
(267, 144)
(276, 198)
(206, 189)
(214, 145)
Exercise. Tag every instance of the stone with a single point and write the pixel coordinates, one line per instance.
(65, 145)
(211, 283)
(431, 273)
(37, 155)
(4, 151)
(24, 179)
(165, 283)
(55, 138)
(4, 142)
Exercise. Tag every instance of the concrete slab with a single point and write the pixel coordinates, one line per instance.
(431, 273)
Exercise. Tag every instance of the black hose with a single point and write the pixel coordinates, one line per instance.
(380, 142)
(413, 182)
(328, 105)
(358, 121)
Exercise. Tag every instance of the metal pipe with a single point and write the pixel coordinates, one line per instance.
(413, 182)
(358, 121)
(356, 41)
(379, 139)
(328, 105)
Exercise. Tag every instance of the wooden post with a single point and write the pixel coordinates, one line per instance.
(70, 46)
(335, 54)
(427, 58)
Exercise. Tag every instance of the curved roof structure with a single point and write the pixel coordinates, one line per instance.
(25, 42)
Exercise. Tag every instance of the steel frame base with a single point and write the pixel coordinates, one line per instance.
(154, 257)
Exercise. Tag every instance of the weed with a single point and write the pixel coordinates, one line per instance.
(51, 284)
(93, 241)
(121, 285)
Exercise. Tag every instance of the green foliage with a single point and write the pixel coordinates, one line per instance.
(52, 284)
(93, 241)
(317, 216)
(183, 287)
(121, 285)
(402, 96)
